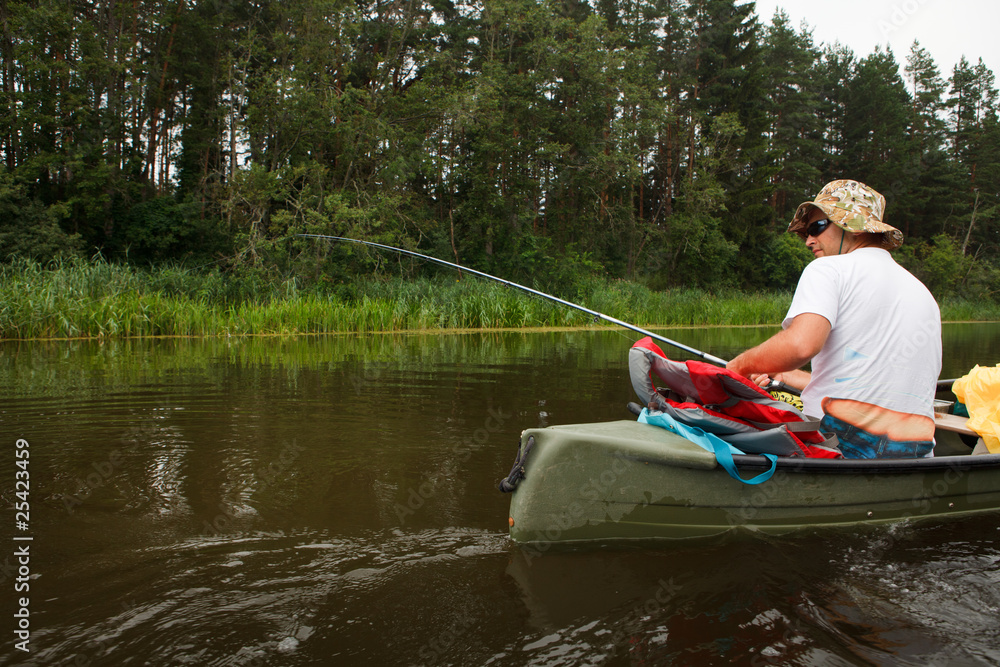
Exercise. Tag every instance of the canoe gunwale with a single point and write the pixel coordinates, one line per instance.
(870, 466)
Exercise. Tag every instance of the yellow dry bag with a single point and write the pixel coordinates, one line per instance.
(980, 391)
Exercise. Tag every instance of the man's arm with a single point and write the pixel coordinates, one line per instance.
(786, 351)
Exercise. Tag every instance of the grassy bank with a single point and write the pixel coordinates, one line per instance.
(93, 299)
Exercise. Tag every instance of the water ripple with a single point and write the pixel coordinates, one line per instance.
(239, 598)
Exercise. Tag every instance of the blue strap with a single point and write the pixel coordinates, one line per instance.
(725, 459)
(723, 450)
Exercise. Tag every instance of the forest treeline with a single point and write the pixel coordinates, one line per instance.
(661, 141)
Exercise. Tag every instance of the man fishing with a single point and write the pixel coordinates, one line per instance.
(871, 330)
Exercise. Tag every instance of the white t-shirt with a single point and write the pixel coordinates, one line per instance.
(885, 332)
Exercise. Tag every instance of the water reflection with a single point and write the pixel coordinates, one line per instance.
(301, 501)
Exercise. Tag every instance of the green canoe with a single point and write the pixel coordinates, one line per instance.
(625, 480)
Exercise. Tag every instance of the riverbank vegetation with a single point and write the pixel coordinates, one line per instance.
(591, 149)
(81, 299)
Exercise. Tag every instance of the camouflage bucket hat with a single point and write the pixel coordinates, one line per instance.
(852, 206)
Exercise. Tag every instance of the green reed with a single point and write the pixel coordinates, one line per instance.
(964, 310)
(96, 299)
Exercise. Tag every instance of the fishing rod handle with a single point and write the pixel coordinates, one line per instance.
(775, 385)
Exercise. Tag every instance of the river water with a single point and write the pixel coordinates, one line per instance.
(332, 500)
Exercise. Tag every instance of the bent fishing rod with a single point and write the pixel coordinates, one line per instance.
(698, 353)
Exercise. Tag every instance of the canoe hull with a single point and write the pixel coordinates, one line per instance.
(629, 481)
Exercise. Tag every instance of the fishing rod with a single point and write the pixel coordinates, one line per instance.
(698, 353)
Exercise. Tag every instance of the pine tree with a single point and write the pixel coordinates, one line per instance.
(834, 76)
(675, 78)
(731, 122)
(972, 105)
(927, 169)
(976, 147)
(876, 125)
(924, 77)
(795, 147)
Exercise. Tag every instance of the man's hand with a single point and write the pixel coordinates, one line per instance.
(795, 379)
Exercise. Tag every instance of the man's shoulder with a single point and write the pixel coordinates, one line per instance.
(830, 264)
(863, 260)
(862, 268)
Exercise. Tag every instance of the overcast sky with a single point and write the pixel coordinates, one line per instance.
(948, 29)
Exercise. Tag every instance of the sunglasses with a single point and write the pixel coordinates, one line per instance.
(817, 227)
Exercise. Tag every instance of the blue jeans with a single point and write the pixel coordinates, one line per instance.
(857, 443)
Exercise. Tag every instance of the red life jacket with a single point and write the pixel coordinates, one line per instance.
(725, 404)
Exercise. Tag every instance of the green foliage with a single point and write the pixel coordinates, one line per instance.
(783, 260)
(557, 272)
(544, 141)
(28, 228)
(942, 266)
(162, 229)
(78, 298)
(949, 274)
(699, 254)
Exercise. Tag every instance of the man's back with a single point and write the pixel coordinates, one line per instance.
(885, 339)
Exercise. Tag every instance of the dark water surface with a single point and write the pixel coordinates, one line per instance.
(333, 500)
